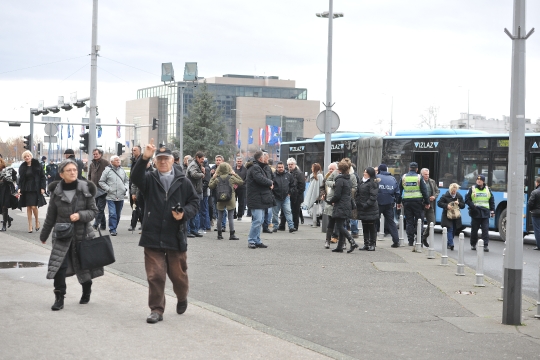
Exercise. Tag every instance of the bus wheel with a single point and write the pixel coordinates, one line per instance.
(502, 225)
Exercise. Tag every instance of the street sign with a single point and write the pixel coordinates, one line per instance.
(321, 119)
(51, 129)
(50, 139)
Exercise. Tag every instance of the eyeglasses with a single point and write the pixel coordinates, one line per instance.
(70, 170)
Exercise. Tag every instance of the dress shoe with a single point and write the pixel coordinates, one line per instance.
(365, 247)
(154, 317)
(181, 307)
(275, 229)
(261, 245)
(232, 236)
(536, 248)
(113, 233)
(10, 219)
(338, 250)
(267, 231)
(394, 245)
(292, 230)
(371, 248)
(190, 235)
(452, 247)
(353, 246)
(252, 246)
(486, 249)
(197, 234)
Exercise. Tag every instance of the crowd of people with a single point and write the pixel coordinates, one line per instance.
(173, 201)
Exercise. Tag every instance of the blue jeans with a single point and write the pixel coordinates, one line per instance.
(257, 218)
(115, 210)
(450, 233)
(203, 213)
(285, 206)
(100, 217)
(536, 226)
(194, 223)
(267, 218)
(354, 227)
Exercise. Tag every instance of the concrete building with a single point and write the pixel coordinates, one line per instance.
(246, 102)
(492, 126)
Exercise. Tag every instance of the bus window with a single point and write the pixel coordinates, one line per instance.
(499, 178)
(471, 171)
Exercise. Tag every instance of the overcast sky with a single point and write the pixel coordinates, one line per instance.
(420, 52)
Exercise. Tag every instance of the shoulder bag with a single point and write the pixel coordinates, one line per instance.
(65, 231)
(97, 252)
(454, 212)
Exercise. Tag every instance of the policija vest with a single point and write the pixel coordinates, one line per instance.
(411, 187)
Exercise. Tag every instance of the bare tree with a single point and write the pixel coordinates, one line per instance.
(429, 117)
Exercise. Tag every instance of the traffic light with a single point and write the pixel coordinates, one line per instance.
(39, 149)
(120, 149)
(84, 142)
(155, 123)
(27, 142)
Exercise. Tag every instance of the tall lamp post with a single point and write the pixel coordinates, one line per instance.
(238, 128)
(327, 125)
(281, 119)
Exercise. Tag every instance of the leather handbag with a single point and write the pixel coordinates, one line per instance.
(454, 212)
(97, 252)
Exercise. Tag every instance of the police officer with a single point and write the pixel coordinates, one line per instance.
(388, 193)
(481, 207)
(415, 199)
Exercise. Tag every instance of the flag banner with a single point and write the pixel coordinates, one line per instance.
(99, 131)
(239, 144)
(279, 136)
(268, 133)
(118, 134)
(273, 137)
(261, 136)
(73, 131)
(250, 136)
(69, 132)
(237, 137)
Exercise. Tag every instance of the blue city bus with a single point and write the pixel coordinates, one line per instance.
(451, 155)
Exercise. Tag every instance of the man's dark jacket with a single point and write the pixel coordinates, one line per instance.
(479, 212)
(96, 169)
(160, 229)
(259, 180)
(300, 180)
(534, 202)
(388, 188)
(242, 172)
(283, 183)
(423, 190)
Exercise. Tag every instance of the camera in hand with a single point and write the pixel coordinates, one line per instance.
(178, 208)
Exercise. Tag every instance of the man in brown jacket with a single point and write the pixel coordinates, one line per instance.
(433, 194)
(94, 174)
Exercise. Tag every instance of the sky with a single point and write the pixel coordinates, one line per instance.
(391, 58)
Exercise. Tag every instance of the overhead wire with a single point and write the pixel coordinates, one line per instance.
(103, 57)
(34, 66)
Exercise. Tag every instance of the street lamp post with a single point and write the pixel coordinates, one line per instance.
(327, 125)
(238, 128)
(281, 119)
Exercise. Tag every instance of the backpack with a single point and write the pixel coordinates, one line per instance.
(224, 189)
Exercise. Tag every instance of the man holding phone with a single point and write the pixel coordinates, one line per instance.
(170, 200)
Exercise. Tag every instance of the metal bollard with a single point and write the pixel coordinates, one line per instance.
(502, 281)
(401, 231)
(480, 264)
(380, 235)
(431, 240)
(538, 301)
(418, 245)
(444, 250)
(461, 256)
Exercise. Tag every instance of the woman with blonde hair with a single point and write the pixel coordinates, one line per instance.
(224, 173)
(32, 185)
(447, 202)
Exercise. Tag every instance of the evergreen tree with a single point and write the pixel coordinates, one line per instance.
(203, 127)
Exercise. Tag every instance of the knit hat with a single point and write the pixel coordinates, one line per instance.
(383, 167)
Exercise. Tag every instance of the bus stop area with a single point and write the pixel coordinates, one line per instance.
(390, 303)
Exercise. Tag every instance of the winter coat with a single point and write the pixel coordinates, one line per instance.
(7, 187)
(206, 180)
(258, 180)
(160, 230)
(534, 202)
(423, 190)
(443, 204)
(283, 183)
(96, 169)
(434, 192)
(300, 179)
(242, 172)
(366, 200)
(115, 182)
(39, 182)
(342, 197)
(59, 211)
(329, 187)
(388, 188)
(314, 190)
(222, 172)
(195, 174)
(51, 171)
(479, 212)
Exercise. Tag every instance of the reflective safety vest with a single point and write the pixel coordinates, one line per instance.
(411, 187)
(481, 197)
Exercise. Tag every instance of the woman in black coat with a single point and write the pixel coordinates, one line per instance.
(8, 179)
(72, 201)
(453, 226)
(342, 203)
(367, 207)
(32, 185)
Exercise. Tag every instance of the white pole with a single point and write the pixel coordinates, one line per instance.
(444, 250)
(431, 250)
(461, 256)
(418, 245)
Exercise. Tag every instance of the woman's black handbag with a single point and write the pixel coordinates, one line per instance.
(63, 231)
(97, 252)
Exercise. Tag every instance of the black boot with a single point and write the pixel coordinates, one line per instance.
(365, 231)
(354, 245)
(59, 300)
(86, 291)
(219, 235)
(340, 245)
(5, 217)
(10, 219)
(232, 237)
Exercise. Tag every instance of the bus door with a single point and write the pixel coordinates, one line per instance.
(299, 160)
(429, 160)
(532, 172)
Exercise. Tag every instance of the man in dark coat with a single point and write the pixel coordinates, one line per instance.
(283, 183)
(481, 207)
(170, 201)
(240, 192)
(134, 201)
(386, 198)
(95, 170)
(70, 154)
(298, 197)
(433, 193)
(534, 208)
(259, 196)
(195, 172)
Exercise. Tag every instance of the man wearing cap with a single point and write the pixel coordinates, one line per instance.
(481, 207)
(433, 193)
(170, 201)
(70, 154)
(386, 198)
(415, 199)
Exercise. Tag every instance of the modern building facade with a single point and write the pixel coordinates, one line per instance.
(245, 101)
